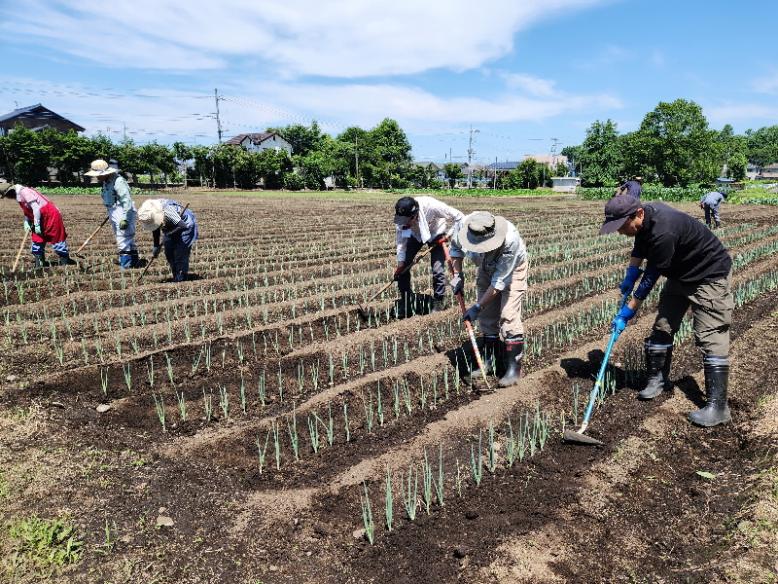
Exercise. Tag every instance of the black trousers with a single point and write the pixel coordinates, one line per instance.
(438, 262)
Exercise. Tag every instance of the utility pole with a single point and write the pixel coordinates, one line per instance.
(218, 120)
(356, 156)
(470, 153)
(494, 186)
(124, 131)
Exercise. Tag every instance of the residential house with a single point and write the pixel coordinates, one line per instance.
(36, 117)
(259, 141)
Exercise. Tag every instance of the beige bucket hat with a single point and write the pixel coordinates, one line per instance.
(482, 232)
(5, 186)
(151, 215)
(100, 167)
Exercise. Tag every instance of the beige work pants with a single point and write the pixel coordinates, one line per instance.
(502, 316)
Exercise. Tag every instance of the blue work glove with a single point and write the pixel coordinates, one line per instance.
(472, 313)
(37, 229)
(622, 318)
(628, 283)
(155, 251)
(123, 224)
(457, 283)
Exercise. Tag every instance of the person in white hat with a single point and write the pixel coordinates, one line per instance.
(121, 209)
(42, 220)
(179, 226)
(498, 250)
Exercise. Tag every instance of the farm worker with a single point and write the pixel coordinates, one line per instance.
(710, 204)
(420, 220)
(43, 220)
(698, 270)
(631, 187)
(121, 210)
(179, 227)
(498, 250)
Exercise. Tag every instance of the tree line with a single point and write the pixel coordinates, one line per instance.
(379, 157)
(674, 146)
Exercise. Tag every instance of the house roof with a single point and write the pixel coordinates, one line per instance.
(507, 165)
(255, 137)
(36, 112)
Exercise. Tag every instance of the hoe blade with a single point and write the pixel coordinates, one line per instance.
(582, 439)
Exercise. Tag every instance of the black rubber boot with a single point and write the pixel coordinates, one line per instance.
(66, 261)
(658, 361)
(39, 261)
(405, 305)
(716, 380)
(490, 353)
(438, 305)
(514, 353)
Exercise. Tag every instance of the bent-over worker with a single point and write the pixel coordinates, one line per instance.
(179, 227)
(495, 246)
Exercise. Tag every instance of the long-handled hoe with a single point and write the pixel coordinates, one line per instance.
(468, 324)
(19, 253)
(579, 437)
(78, 253)
(361, 309)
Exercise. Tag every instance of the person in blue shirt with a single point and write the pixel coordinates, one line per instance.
(710, 204)
(179, 226)
(121, 210)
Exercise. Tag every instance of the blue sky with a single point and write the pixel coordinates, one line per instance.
(521, 72)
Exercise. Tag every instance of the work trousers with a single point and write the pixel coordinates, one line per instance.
(125, 238)
(711, 214)
(177, 254)
(502, 316)
(711, 305)
(438, 262)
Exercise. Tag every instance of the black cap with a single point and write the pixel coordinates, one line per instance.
(405, 209)
(617, 211)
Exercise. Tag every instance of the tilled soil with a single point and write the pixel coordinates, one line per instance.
(635, 510)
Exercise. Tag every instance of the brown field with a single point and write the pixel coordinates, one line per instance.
(249, 419)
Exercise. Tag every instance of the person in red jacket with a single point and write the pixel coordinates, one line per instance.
(43, 220)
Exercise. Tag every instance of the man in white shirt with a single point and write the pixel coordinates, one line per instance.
(419, 221)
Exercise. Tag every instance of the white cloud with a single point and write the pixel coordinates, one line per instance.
(344, 39)
(530, 84)
(169, 115)
(767, 83)
(741, 112)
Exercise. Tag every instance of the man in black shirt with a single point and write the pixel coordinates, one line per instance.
(697, 267)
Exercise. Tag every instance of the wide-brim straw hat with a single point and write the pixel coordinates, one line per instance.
(5, 186)
(100, 167)
(482, 232)
(151, 215)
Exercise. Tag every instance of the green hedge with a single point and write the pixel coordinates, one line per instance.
(650, 193)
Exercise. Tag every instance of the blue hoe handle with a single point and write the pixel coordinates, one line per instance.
(601, 375)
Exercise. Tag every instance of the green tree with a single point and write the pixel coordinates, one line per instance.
(304, 139)
(70, 153)
(600, 155)
(674, 141)
(28, 156)
(352, 150)
(762, 145)
(273, 166)
(453, 172)
(737, 166)
(389, 156)
(527, 175)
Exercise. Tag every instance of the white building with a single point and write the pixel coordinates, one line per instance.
(259, 141)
